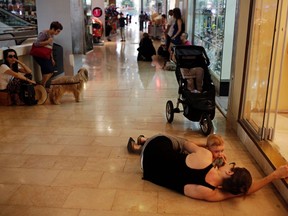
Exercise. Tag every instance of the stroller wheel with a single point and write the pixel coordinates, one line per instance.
(206, 124)
(169, 111)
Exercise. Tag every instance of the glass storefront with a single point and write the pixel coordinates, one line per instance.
(265, 107)
(209, 30)
(214, 22)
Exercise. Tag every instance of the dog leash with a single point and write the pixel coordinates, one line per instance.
(64, 83)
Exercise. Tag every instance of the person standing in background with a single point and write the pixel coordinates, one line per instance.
(141, 21)
(169, 29)
(46, 38)
(122, 20)
(178, 27)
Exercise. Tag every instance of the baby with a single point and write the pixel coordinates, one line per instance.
(215, 144)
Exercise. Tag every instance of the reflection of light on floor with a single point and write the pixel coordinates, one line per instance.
(158, 83)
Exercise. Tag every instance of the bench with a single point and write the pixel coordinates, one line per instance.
(5, 98)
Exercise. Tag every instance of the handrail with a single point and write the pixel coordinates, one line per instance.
(18, 37)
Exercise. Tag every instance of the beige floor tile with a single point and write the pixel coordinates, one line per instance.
(36, 211)
(27, 176)
(10, 160)
(87, 151)
(184, 205)
(6, 191)
(55, 162)
(135, 201)
(44, 149)
(124, 181)
(78, 179)
(86, 198)
(32, 195)
(105, 164)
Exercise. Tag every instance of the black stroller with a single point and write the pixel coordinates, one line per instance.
(196, 106)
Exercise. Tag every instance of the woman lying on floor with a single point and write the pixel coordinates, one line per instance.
(182, 166)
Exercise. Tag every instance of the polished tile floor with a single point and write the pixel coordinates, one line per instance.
(71, 159)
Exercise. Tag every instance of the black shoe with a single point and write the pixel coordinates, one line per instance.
(109, 39)
(131, 148)
(130, 143)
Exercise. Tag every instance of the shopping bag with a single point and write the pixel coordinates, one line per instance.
(27, 94)
(41, 51)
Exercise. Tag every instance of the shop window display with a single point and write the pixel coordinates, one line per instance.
(209, 30)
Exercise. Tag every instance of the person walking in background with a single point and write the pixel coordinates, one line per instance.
(108, 29)
(146, 20)
(122, 20)
(44, 39)
(141, 21)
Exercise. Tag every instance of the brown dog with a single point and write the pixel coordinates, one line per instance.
(65, 84)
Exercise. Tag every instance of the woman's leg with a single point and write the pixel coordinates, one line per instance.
(45, 78)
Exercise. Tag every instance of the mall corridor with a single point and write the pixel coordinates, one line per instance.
(71, 159)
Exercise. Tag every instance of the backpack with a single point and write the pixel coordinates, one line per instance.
(27, 94)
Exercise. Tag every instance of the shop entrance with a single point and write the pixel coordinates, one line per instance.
(265, 107)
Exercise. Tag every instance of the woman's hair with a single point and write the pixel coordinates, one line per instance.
(177, 13)
(214, 140)
(56, 25)
(14, 67)
(239, 182)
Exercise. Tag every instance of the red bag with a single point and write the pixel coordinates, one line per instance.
(41, 51)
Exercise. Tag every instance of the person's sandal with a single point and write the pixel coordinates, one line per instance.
(131, 148)
(130, 145)
(139, 142)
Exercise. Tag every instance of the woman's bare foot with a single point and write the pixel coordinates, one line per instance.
(141, 140)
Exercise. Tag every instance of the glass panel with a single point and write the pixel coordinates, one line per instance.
(261, 44)
(209, 30)
(279, 102)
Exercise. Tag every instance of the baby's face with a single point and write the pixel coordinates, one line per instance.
(217, 151)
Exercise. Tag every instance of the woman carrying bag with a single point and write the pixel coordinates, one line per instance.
(42, 50)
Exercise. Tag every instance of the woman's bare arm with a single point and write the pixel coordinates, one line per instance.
(280, 173)
(204, 193)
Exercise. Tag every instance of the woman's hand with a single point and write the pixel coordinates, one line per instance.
(25, 68)
(281, 172)
(49, 41)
